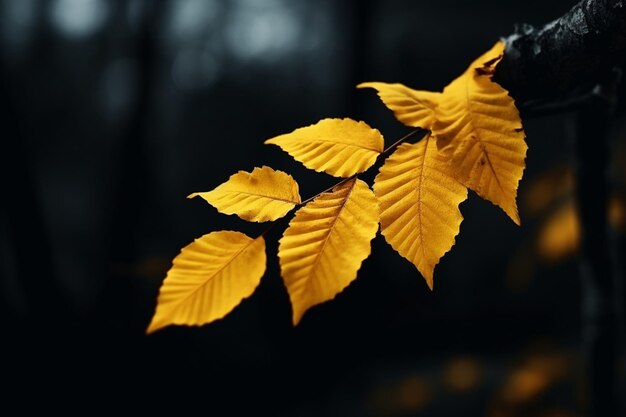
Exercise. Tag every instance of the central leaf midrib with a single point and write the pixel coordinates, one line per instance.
(419, 199)
(262, 196)
(346, 144)
(209, 279)
(330, 230)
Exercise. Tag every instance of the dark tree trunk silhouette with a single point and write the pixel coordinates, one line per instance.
(31, 279)
(133, 178)
(598, 276)
(572, 63)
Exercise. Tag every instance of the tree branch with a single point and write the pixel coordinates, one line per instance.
(567, 56)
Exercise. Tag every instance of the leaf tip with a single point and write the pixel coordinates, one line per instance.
(192, 195)
(154, 326)
(428, 277)
(513, 214)
(297, 317)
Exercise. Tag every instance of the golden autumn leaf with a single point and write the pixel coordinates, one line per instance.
(339, 147)
(480, 129)
(325, 244)
(411, 107)
(419, 204)
(259, 196)
(209, 278)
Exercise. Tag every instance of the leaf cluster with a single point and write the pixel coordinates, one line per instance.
(474, 140)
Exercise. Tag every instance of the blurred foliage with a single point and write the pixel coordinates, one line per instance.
(549, 202)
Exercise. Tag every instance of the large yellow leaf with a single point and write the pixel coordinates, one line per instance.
(411, 107)
(419, 204)
(258, 196)
(325, 244)
(480, 129)
(339, 147)
(209, 278)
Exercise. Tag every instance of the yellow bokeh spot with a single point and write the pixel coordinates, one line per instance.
(462, 374)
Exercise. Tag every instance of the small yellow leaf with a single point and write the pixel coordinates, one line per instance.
(419, 204)
(259, 196)
(479, 128)
(325, 244)
(411, 107)
(339, 147)
(209, 278)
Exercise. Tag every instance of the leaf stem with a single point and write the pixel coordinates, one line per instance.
(394, 145)
(326, 190)
(277, 221)
(383, 154)
(269, 229)
(274, 224)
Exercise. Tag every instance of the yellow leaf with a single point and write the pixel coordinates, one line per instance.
(259, 196)
(479, 128)
(339, 147)
(209, 278)
(325, 244)
(419, 204)
(411, 107)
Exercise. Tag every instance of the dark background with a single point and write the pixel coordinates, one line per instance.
(113, 111)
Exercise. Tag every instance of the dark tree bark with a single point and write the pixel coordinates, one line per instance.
(570, 64)
(567, 56)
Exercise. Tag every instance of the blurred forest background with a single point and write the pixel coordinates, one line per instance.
(114, 111)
